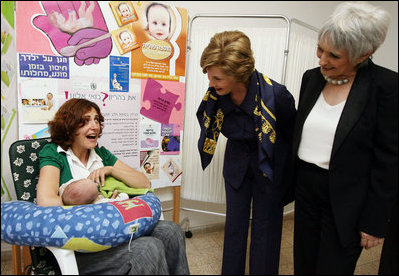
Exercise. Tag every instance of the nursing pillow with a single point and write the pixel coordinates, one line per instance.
(84, 228)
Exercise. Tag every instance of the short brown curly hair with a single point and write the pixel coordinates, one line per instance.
(69, 118)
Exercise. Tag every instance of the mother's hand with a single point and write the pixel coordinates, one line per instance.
(100, 174)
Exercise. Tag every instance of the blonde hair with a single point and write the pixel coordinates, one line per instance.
(231, 52)
(358, 27)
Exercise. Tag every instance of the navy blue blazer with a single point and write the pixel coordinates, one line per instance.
(239, 156)
(363, 172)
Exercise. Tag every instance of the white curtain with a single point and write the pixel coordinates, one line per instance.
(301, 57)
(268, 47)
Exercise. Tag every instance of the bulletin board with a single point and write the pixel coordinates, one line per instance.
(127, 56)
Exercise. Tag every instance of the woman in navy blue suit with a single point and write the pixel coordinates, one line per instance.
(345, 145)
(257, 115)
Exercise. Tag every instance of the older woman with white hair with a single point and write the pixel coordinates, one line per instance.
(345, 144)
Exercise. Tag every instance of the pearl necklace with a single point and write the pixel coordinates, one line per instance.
(338, 82)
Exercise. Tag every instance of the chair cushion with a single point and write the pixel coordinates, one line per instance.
(24, 163)
(83, 228)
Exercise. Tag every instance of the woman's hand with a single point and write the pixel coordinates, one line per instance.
(99, 175)
(122, 172)
(368, 241)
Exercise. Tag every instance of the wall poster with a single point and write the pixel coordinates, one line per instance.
(126, 56)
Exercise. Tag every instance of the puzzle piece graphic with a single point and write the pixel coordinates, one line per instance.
(161, 104)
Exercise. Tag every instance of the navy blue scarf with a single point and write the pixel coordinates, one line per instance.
(210, 117)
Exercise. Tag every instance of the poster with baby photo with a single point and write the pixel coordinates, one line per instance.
(37, 101)
(149, 163)
(161, 32)
(119, 74)
(123, 11)
(125, 39)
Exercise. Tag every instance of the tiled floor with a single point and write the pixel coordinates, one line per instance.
(204, 252)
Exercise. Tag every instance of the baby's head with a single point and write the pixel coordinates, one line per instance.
(159, 21)
(126, 38)
(124, 9)
(83, 191)
(50, 95)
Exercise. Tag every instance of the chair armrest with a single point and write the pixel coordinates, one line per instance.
(66, 260)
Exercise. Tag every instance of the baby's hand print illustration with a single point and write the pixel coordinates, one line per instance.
(76, 23)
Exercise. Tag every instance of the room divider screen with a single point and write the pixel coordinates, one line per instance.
(283, 49)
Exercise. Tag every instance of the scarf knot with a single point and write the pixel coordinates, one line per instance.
(210, 117)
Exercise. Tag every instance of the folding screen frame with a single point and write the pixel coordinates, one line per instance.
(251, 16)
(185, 221)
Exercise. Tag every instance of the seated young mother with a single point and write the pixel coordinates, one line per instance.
(74, 154)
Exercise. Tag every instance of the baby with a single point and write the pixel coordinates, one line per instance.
(126, 12)
(49, 102)
(124, 9)
(158, 21)
(126, 39)
(86, 191)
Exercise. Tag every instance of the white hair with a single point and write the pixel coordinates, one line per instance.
(358, 27)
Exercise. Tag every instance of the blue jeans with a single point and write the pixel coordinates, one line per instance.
(162, 252)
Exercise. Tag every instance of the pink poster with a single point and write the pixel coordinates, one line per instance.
(68, 28)
(163, 101)
(26, 31)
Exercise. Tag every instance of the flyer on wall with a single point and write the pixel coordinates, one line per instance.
(108, 52)
(162, 51)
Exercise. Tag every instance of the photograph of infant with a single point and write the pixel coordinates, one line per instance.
(160, 31)
(125, 39)
(158, 23)
(37, 110)
(124, 12)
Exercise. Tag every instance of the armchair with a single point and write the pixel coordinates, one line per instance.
(24, 162)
